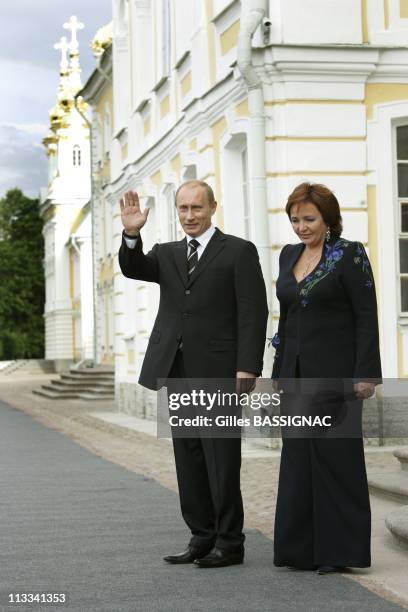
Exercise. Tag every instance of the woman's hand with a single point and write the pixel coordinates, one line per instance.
(246, 382)
(364, 390)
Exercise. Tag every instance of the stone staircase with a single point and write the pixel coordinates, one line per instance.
(81, 383)
(394, 485)
(27, 366)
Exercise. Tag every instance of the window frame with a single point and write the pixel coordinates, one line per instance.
(400, 235)
(76, 156)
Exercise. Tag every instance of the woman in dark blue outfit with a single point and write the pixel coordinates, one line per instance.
(327, 329)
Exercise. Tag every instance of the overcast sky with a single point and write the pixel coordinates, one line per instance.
(29, 68)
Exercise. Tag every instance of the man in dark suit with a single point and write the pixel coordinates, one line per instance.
(211, 323)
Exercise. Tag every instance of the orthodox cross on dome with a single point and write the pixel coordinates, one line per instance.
(74, 25)
(63, 46)
(75, 79)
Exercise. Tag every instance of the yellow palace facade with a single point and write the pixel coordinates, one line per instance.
(253, 97)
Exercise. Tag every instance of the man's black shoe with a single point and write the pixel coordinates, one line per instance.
(187, 556)
(329, 569)
(301, 568)
(218, 557)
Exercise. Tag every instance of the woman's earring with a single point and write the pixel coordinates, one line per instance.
(328, 234)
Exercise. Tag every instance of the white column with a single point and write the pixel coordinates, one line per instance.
(87, 322)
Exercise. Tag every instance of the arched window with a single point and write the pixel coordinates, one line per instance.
(237, 205)
(76, 155)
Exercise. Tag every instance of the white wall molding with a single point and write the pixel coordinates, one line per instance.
(381, 154)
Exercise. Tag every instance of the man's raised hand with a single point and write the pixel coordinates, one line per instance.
(133, 219)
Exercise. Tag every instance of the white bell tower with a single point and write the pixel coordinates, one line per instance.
(65, 210)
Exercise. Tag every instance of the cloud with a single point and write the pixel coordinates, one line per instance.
(28, 128)
(31, 91)
(23, 162)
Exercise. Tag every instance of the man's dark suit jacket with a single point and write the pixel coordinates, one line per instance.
(219, 313)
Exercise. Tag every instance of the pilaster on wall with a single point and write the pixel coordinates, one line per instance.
(141, 28)
(121, 77)
(59, 332)
(87, 306)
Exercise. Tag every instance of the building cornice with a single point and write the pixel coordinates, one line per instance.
(357, 62)
(204, 112)
(97, 82)
(182, 59)
(352, 63)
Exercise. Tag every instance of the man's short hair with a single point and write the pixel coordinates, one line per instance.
(197, 183)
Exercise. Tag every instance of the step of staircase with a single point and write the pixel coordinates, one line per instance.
(85, 393)
(95, 395)
(397, 523)
(87, 379)
(54, 394)
(28, 366)
(97, 371)
(83, 383)
(402, 456)
(5, 364)
(394, 486)
(98, 390)
(390, 485)
(13, 366)
(57, 387)
(62, 390)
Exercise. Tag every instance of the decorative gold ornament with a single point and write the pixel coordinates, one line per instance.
(102, 39)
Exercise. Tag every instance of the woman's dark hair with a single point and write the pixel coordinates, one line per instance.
(324, 200)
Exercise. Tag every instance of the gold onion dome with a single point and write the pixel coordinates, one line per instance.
(56, 116)
(70, 83)
(50, 139)
(65, 99)
(50, 143)
(102, 39)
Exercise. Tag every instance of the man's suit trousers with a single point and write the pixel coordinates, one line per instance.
(208, 474)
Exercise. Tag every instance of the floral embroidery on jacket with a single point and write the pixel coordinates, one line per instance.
(333, 254)
(275, 342)
(362, 258)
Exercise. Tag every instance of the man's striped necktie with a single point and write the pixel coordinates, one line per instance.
(192, 257)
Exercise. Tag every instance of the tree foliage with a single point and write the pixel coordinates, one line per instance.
(22, 292)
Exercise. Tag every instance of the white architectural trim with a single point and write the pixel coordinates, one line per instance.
(381, 149)
(231, 146)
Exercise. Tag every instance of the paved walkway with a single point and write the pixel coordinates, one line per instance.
(73, 522)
